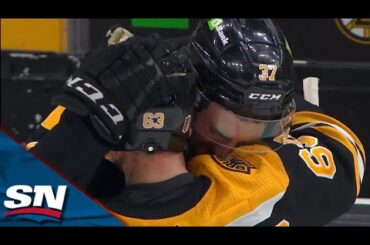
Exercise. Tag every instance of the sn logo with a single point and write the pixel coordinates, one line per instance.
(27, 200)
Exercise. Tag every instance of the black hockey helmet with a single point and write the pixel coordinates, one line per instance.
(165, 126)
(244, 65)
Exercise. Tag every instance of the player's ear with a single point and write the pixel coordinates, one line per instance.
(113, 156)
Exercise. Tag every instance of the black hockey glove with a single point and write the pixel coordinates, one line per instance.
(114, 84)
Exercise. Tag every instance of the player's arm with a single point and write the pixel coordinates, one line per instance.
(70, 146)
(112, 86)
(312, 119)
(325, 162)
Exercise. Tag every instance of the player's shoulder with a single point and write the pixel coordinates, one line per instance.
(240, 165)
(309, 117)
(265, 174)
(325, 159)
(246, 186)
(316, 130)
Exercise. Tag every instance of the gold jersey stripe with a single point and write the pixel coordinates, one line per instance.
(53, 119)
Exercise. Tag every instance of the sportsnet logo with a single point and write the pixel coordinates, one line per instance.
(39, 200)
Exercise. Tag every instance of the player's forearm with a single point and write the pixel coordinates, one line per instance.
(72, 148)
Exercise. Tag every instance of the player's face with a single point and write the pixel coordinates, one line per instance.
(217, 130)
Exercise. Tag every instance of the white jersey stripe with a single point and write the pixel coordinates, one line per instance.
(261, 213)
(363, 201)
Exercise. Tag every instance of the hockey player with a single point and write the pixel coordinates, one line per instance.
(247, 106)
(278, 159)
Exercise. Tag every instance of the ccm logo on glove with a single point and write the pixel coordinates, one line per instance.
(95, 95)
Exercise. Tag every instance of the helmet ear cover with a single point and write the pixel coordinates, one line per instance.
(159, 129)
(165, 126)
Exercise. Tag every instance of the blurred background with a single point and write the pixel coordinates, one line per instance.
(38, 55)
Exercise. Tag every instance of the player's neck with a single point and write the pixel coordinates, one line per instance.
(140, 167)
